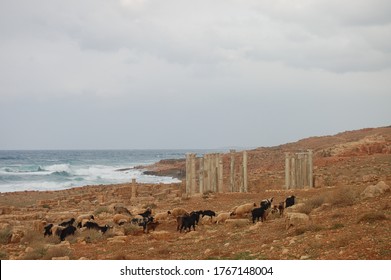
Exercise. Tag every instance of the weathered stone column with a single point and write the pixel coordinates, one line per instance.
(220, 174)
(201, 175)
(188, 173)
(245, 178)
(232, 171)
(134, 189)
(287, 171)
(206, 173)
(193, 174)
(310, 169)
(293, 170)
(213, 172)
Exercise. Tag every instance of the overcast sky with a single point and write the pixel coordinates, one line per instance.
(138, 74)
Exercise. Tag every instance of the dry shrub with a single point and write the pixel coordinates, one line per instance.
(130, 229)
(102, 209)
(304, 228)
(312, 203)
(5, 235)
(372, 217)
(37, 254)
(337, 226)
(91, 235)
(343, 196)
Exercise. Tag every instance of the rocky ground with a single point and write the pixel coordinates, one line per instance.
(347, 214)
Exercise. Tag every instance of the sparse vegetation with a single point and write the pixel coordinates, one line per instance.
(337, 226)
(343, 196)
(131, 229)
(5, 235)
(102, 209)
(38, 253)
(312, 204)
(372, 217)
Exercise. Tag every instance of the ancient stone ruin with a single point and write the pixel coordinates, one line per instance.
(209, 174)
(299, 170)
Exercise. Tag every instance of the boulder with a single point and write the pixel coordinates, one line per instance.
(296, 219)
(375, 190)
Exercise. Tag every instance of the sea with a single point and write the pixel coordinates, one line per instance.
(63, 169)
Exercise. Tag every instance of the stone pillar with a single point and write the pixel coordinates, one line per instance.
(310, 169)
(293, 174)
(213, 172)
(206, 173)
(287, 171)
(232, 171)
(134, 188)
(220, 174)
(245, 178)
(201, 175)
(193, 174)
(188, 173)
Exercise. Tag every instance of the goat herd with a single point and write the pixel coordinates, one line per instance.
(185, 220)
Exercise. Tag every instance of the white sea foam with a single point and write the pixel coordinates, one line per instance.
(58, 168)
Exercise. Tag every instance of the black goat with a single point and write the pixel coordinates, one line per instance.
(260, 212)
(48, 230)
(188, 222)
(266, 202)
(69, 230)
(93, 225)
(146, 213)
(197, 215)
(67, 223)
(290, 201)
(209, 213)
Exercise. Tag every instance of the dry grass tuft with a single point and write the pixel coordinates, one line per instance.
(312, 204)
(343, 196)
(5, 235)
(102, 209)
(130, 229)
(37, 254)
(307, 228)
(372, 217)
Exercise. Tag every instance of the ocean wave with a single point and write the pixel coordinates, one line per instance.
(58, 168)
(61, 173)
(23, 170)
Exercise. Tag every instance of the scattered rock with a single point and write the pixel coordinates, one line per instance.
(375, 190)
(295, 219)
(29, 250)
(207, 251)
